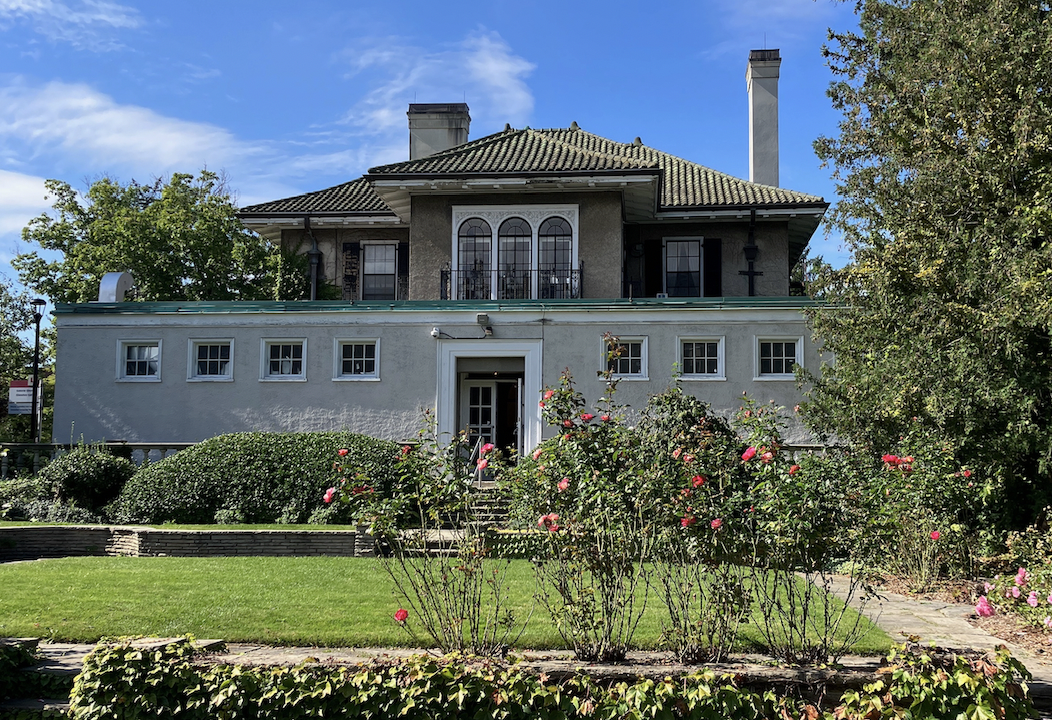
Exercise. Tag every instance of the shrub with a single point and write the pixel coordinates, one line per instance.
(87, 477)
(251, 478)
(122, 681)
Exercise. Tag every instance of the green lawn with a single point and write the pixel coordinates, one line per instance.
(324, 601)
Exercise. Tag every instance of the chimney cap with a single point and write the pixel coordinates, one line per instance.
(764, 55)
(415, 108)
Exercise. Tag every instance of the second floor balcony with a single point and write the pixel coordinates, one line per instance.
(476, 284)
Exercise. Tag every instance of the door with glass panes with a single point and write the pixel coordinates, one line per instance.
(491, 409)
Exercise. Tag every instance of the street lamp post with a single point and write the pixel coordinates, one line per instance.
(34, 421)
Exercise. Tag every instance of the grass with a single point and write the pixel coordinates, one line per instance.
(323, 601)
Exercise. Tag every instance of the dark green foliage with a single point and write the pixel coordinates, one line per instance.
(14, 656)
(87, 477)
(121, 681)
(942, 163)
(251, 478)
(188, 221)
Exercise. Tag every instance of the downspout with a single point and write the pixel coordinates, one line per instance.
(315, 258)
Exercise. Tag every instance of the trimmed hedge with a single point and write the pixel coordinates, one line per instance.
(87, 477)
(122, 681)
(252, 478)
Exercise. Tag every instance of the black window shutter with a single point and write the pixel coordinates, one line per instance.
(352, 254)
(712, 249)
(402, 290)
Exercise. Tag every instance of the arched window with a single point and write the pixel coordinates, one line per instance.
(474, 240)
(514, 251)
(555, 278)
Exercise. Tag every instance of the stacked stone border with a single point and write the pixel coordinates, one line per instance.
(28, 542)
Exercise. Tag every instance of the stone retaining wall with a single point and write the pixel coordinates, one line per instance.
(29, 542)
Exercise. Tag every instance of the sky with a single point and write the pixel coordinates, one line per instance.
(289, 97)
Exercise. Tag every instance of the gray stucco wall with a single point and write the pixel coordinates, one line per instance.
(92, 403)
(330, 243)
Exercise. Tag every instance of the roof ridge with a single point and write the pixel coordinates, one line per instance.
(469, 146)
(588, 151)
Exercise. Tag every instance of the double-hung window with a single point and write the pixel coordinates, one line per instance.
(683, 267)
(139, 360)
(211, 360)
(357, 359)
(283, 359)
(379, 272)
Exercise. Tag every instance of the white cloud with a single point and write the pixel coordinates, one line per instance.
(87, 24)
(82, 126)
(22, 197)
(483, 70)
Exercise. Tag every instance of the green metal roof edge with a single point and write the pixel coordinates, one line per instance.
(274, 306)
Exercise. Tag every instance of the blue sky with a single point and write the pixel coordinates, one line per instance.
(288, 97)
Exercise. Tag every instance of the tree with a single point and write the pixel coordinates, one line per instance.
(180, 239)
(944, 166)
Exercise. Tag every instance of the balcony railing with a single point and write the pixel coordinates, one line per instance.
(511, 284)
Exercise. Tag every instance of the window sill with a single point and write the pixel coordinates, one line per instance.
(293, 378)
(360, 378)
(630, 378)
(774, 378)
(209, 379)
(703, 378)
(138, 380)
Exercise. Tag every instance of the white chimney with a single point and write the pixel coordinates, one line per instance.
(434, 127)
(761, 77)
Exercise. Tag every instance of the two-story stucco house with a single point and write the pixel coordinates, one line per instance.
(471, 276)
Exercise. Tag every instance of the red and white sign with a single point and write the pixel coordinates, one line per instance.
(20, 398)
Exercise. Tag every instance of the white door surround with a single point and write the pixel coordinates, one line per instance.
(449, 351)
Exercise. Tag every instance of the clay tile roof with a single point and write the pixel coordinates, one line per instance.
(552, 151)
(356, 196)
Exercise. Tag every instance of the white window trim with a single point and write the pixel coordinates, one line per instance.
(643, 340)
(121, 377)
(534, 215)
(701, 261)
(721, 363)
(264, 360)
(780, 377)
(191, 360)
(337, 359)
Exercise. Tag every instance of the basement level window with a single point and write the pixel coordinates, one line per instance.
(777, 358)
(701, 358)
(211, 360)
(284, 359)
(139, 360)
(629, 359)
(357, 360)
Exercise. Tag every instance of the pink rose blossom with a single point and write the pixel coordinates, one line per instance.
(406, 449)
(749, 454)
(983, 608)
(687, 521)
(342, 452)
(794, 469)
(716, 524)
(487, 448)
(1021, 577)
(1015, 592)
(483, 464)
(330, 494)
(1048, 622)
(1031, 599)
(587, 416)
(401, 615)
(548, 394)
(604, 418)
(688, 459)
(548, 522)
(967, 473)
(767, 457)
(988, 586)
(567, 423)
(676, 453)
(935, 534)
(1050, 598)
(564, 484)
(537, 453)
(697, 481)
(541, 403)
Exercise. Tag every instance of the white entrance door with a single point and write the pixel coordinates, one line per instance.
(492, 410)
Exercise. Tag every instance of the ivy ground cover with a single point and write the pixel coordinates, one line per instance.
(284, 601)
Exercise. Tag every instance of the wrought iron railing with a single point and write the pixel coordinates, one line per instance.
(511, 284)
(30, 457)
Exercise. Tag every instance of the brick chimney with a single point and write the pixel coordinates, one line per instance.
(761, 78)
(434, 127)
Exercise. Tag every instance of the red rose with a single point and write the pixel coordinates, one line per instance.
(401, 615)
(686, 521)
(794, 469)
(717, 523)
(697, 481)
(587, 416)
(342, 452)
(749, 454)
